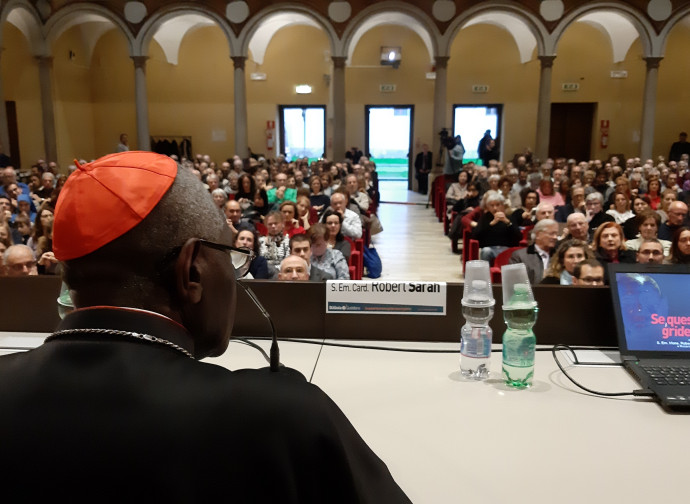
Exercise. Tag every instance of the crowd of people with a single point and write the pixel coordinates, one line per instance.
(274, 208)
(572, 218)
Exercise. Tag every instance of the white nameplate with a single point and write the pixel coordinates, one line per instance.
(402, 298)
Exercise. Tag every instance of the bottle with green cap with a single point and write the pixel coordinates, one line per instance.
(520, 314)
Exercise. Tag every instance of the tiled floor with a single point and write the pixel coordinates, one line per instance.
(412, 245)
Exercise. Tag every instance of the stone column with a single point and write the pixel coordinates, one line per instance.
(4, 129)
(338, 87)
(541, 148)
(142, 103)
(439, 119)
(45, 76)
(649, 107)
(241, 134)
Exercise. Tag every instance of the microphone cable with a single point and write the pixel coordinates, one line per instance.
(274, 359)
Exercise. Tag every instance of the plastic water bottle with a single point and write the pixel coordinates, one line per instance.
(520, 314)
(478, 309)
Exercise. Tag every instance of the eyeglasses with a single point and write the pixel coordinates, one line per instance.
(241, 257)
(20, 267)
(651, 252)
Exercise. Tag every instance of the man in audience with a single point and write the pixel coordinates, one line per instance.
(20, 261)
(281, 192)
(677, 215)
(9, 176)
(543, 211)
(577, 204)
(233, 216)
(293, 268)
(47, 185)
(123, 146)
(577, 226)
(588, 272)
(300, 245)
(352, 225)
(536, 256)
(651, 252)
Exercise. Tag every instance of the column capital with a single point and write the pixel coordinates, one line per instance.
(339, 61)
(547, 61)
(46, 60)
(139, 61)
(653, 61)
(441, 61)
(238, 62)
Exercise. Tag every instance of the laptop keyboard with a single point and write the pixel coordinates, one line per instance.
(668, 375)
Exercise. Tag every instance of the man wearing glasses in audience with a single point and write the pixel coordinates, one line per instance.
(588, 272)
(596, 216)
(115, 405)
(20, 261)
(650, 252)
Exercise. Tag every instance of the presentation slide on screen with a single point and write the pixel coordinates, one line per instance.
(403, 298)
(655, 311)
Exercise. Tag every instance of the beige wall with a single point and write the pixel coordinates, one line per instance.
(485, 54)
(673, 104)
(72, 101)
(585, 57)
(19, 71)
(296, 55)
(365, 75)
(112, 92)
(195, 97)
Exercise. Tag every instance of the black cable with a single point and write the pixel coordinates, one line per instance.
(253, 345)
(637, 392)
(363, 347)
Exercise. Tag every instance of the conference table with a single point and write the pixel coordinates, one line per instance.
(447, 440)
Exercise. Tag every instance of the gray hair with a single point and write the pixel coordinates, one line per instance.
(9, 250)
(595, 195)
(221, 192)
(492, 196)
(543, 224)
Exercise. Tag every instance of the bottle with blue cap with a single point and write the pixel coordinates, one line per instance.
(478, 309)
(520, 314)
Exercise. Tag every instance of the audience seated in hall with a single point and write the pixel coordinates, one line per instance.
(537, 255)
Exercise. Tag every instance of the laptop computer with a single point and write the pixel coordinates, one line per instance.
(651, 304)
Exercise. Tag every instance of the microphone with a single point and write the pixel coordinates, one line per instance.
(275, 351)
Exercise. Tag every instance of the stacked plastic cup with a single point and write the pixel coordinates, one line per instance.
(478, 309)
(520, 315)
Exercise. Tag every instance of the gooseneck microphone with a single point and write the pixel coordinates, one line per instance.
(275, 351)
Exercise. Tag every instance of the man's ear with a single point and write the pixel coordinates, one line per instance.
(187, 277)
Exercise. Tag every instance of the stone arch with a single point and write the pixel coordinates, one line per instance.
(672, 22)
(24, 16)
(258, 32)
(391, 13)
(169, 18)
(73, 15)
(617, 26)
(525, 28)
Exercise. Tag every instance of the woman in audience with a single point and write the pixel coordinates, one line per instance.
(564, 260)
(654, 193)
(326, 182)
(220, 197)
(680, 248)
(621, 208)
(630, 227)
(668, 196)
(289, 211)
(522, 217)
(47, 263)
(334, 221)
(548, 195)
(246, 188)
(306, 215)
(564, 190)
(248, 239)
(5, 234)
(505, 186)
(609, 245)
(319, 201)
(457, 190)
(647, 223)
(44, 218)
(327, 259)
(258, 210)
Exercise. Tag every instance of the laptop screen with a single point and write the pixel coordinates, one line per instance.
(652, 308)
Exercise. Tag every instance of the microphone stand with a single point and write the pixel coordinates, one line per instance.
(275, 351)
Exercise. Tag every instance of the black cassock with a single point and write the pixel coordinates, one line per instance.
(110, 418)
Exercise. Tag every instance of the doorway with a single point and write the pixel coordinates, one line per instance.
(471, 122)
(13, 129)
(571, 130)
(303, 131)
(388, 140)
